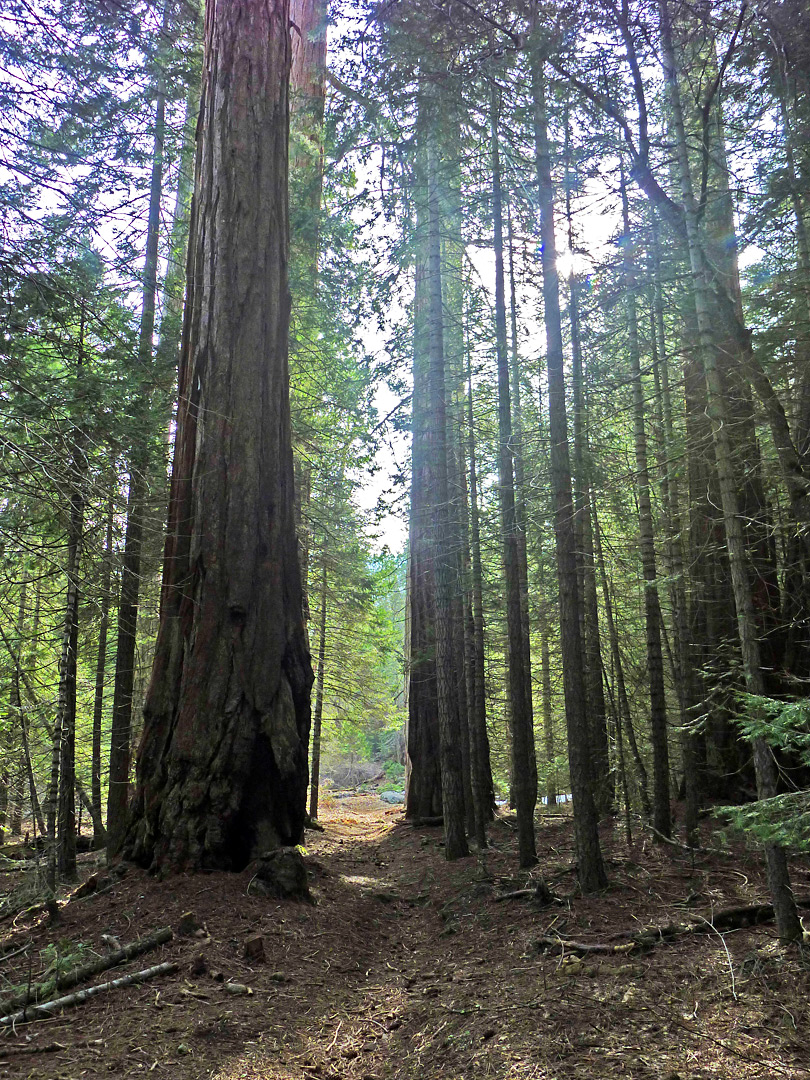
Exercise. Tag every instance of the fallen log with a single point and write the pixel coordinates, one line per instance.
(733, 918)
(39, 991)
(48, 1008)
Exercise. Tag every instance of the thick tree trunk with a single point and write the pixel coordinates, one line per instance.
(452, 252)
(662, 818)
(222, 767)
(787, 920)
(524, 764)
(453, 809)
(590, 866)
(423, 797)
(121, 730)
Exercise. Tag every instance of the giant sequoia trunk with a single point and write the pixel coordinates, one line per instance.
(423, 796)
(222, 767)
(447, 683)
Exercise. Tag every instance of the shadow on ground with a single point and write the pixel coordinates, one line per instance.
(410, 967)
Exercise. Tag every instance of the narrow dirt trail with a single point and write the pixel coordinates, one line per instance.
(410, 967)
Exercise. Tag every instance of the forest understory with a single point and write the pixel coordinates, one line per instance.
(410, 966)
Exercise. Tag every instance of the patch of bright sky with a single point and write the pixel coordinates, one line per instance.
(597, 222)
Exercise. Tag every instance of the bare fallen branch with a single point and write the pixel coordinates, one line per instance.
(42, 990)
(685, 847)
(561, 944)
(48, 1008)
(539, 892)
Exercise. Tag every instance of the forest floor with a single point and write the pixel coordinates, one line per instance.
(410, 967)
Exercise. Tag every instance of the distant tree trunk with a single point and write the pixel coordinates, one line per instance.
(482, 788)
(308, 36)
(121, 731)
(222, 767)
(20, 676)
(36, 808)
(622, 766)
(17, 795)
(173, 286)
(590, 866)
(623, 704)
(100, 837)
(548, 718)
(549, 740)
(6, 784)
(524, 765)
(317, 715)
(787, 920)
(309, 20)
(662, 818)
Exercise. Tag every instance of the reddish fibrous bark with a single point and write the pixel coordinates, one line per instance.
(222, 767)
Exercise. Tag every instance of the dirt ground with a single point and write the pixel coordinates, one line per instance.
(411, 967)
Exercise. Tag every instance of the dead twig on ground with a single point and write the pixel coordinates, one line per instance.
(733, 918)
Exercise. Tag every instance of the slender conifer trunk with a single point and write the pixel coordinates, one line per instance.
(787, 920)
(317, 713)
(662, 818)
(524, 766)
(121, 730)
(100, 835)
(590, 866)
